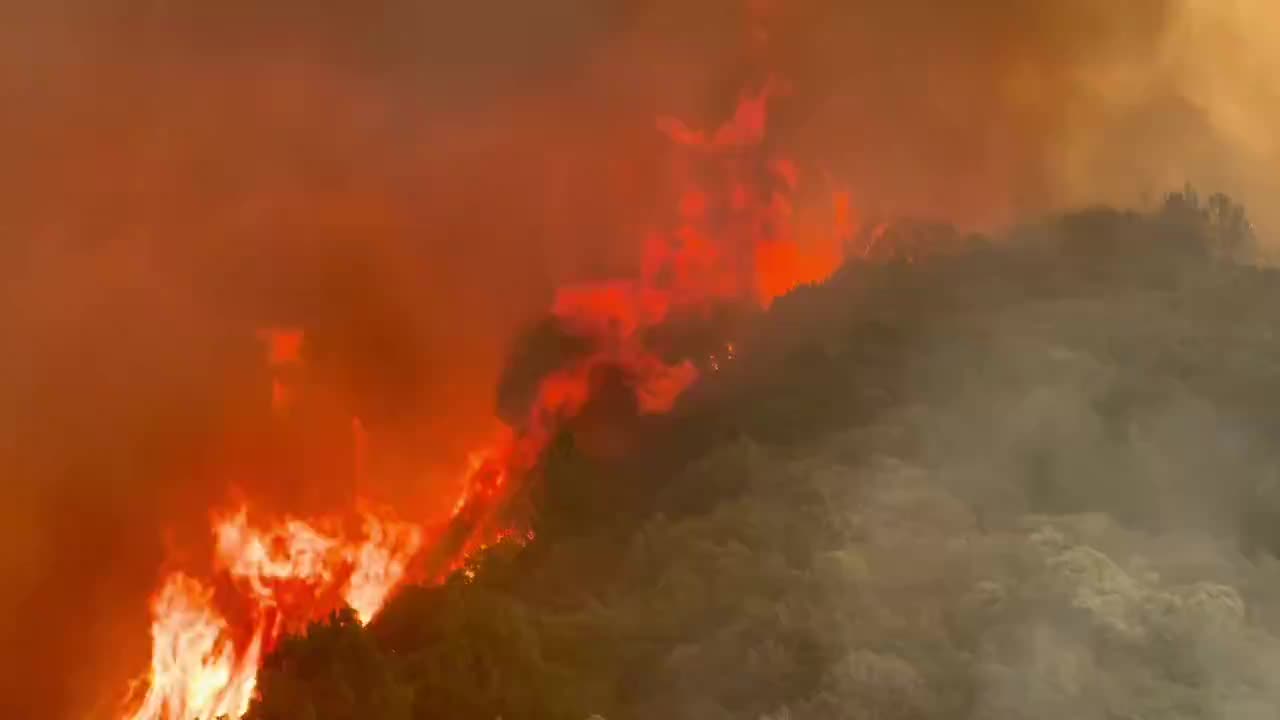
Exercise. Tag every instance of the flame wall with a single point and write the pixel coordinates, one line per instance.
(411, 185)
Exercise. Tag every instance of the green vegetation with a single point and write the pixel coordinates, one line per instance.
(1029, 477)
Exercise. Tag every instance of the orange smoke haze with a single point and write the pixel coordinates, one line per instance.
(413, 187)
(203, 665)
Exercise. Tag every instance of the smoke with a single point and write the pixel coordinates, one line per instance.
(410, 185)
(168, 194)
(982, 115)
(1027, 481)
(1197, 107)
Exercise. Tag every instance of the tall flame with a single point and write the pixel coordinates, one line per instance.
(379, 564)
(743, 239)
(288, 574)
(196, 670)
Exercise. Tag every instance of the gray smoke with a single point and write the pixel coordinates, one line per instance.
(1065, 510)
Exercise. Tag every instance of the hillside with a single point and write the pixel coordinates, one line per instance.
(1017, 477)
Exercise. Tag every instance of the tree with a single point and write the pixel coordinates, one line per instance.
(334, 671)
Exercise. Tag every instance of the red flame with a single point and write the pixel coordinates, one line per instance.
(284, 351)
(743, 241)
(749, 235)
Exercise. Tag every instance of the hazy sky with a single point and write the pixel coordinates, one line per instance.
(408, 180)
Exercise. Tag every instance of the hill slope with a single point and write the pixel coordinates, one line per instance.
(1025, 478)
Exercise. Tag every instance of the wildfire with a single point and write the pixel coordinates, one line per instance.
(741, 237)
(287, 574)
(380, 563)
(751, 238)
(196, 671)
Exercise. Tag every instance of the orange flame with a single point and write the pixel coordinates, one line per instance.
(754, 223)
(379, 564)
(288, 574)
(284, 345)
(745, 242)
(196, 671)
(749, 239)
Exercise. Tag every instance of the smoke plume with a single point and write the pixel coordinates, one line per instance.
(411, 184)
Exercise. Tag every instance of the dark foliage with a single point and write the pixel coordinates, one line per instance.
(333, 672)
(1027, 477)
